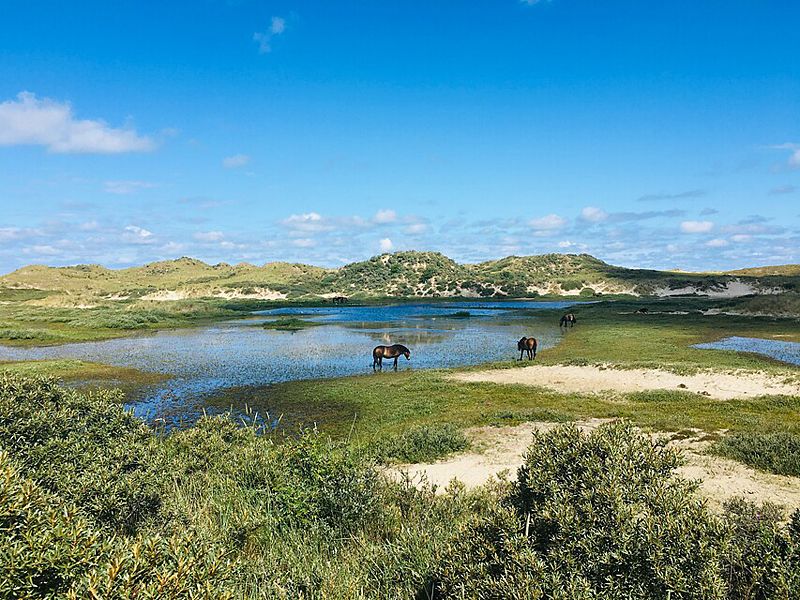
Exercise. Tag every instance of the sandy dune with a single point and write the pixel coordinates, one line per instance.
(501, 449)
(590, 379)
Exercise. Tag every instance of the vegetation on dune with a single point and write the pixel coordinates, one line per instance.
(401, 274)
(96, 505)
(776, 452)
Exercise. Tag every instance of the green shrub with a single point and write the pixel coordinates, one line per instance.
(49, 550)
(762, 558)
(772, 452)
(590, 516)
(83, 447)
(423, 443)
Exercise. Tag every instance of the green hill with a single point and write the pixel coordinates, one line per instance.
(402, 274)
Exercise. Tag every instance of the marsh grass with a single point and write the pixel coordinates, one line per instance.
(289, 324)
(421, 443)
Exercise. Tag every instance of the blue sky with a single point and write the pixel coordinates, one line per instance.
(663, 135)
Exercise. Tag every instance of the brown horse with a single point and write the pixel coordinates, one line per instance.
(527, 345)
(568, 320)
(395, 352)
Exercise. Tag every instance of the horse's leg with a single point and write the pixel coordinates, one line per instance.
(395, 362)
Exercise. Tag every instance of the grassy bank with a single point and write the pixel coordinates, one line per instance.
(95, 504)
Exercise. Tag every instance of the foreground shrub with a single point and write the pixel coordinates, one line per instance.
(596, 515)
(772, 452)
(762, 559)
(423, 443)
(83, 447)
(49, 550)
(306, 480)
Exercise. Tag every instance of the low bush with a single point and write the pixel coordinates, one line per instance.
(83, 447)
(590, 516)
(777, 452)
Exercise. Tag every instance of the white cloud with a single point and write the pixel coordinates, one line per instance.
(697, 226)
(741, 237)
(307, 223)
(236, 161)
(209, 236)
(415, 228)
(717, 243)
(303, 243)
(276, 27)
(138, 235)
(565, 244)
(386, 245)
(592, 214)
(548, 223)
(794, 157)
(385, 215)
(31, 121)
(126, 187)
(42, 250)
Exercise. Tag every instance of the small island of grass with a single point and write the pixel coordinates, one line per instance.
(289, 324)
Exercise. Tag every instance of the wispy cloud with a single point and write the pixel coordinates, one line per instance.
(794, 153)
(783, 189)
(384, 216)
(236, 161)
(697, 226)
(623, 217)
(209, 236)
(264, 38)
(28, 120)
(386, 245)
(551, 222)
(126, 187)
(592, 214)
(678, 196)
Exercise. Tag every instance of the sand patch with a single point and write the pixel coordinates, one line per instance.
(593, 379)
(501, 449)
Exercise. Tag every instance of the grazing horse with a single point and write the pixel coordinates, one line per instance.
(568, 320)
(395, 352)
(642, 311)
(528, 345)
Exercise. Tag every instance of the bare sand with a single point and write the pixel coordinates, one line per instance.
(500, 450)
(593, 379)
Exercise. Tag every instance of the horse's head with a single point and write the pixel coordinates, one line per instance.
(521, 344)
(407, 354)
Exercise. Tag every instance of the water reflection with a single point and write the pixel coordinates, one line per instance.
(784, 351)
(204, 361)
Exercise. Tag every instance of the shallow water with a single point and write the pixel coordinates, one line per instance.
(204, 361)
(788, 352)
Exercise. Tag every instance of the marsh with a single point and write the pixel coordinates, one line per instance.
(203, 361)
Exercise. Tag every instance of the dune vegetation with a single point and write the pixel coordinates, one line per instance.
(95, 504)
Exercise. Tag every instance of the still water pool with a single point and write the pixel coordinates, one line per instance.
(788, 352)
(204, 361)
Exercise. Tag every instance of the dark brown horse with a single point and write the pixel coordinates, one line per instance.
(395, 352)
(568, 320)
(527, 345)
